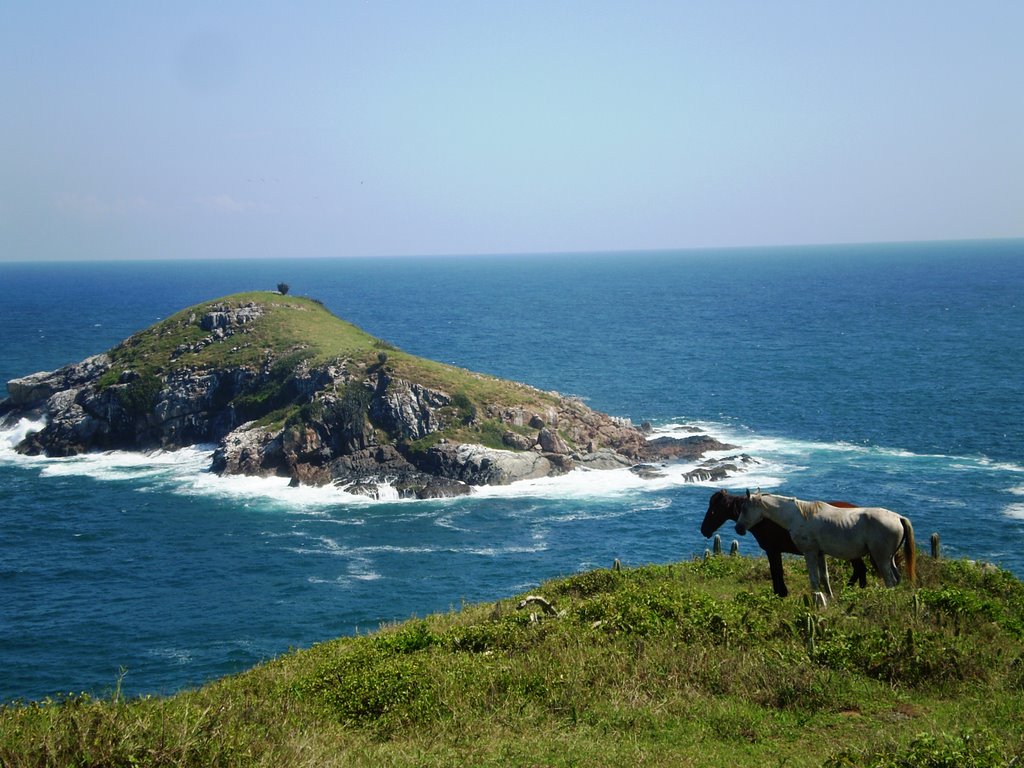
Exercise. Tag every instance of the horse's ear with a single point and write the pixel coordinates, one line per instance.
(748, 493)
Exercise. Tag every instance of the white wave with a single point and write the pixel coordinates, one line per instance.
(1017, 490)
(772, 447)
(497, 551)
(300, 499)
(661, 502)
(584, 483)
(186, 471)
(387, 492)
(14, 434)
(181, 656)
(1001, 466)
(325, 545)
(1015, 511)
(773, 462)
(395, 548)
(448, 521)
(173, 466)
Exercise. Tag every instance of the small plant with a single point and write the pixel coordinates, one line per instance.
(282, 288)
(139, 396)
(465, 407)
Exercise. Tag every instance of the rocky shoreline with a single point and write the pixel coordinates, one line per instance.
(358, 427)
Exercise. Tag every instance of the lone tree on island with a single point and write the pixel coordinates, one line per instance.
(282, 288)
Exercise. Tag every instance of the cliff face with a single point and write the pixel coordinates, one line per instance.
(282, 387)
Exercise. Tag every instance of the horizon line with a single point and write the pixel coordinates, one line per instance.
(505, 254)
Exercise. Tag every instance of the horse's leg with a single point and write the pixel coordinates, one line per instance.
(886, 566)
(876, 566)
(775, 566)
(860, 573)
(884, 555)
(812, 569)
(823, 573)
(892, 575)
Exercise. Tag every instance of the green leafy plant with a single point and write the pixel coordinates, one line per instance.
(139, 396)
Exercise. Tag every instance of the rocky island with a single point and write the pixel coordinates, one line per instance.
(283, 387)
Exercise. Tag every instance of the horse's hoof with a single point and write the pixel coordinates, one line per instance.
(820, 601)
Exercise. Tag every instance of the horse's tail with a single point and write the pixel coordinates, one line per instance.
(909, 549)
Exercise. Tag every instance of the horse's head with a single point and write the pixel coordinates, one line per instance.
(722, 507)
(751, 513)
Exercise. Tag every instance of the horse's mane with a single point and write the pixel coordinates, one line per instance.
(807, 509)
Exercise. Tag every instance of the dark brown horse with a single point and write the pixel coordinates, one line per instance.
(772, 538)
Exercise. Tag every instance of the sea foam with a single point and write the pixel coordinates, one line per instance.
(186, 471)
(11, 436)
(772, 461)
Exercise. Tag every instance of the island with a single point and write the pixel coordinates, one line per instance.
(283, 387)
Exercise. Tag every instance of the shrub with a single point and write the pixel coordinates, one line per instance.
(465, 407)
(138, 397)
(282, 288)
(370, 686)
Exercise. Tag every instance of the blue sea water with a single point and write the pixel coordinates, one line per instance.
(885, 374)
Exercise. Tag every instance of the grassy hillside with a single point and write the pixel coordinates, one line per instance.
(686, 664)
(294, 330)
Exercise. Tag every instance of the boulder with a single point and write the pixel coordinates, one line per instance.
(248, 450)
(516, 441)
(224, 318)
(478, 465)
(688, 448)
(407, 409)
(551, 442)
(604, 458)
(716, 470)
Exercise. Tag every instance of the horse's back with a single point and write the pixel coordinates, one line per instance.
(882, 530)
(850, 532)
(884, 518)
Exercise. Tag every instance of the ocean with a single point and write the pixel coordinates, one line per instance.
(888, 375)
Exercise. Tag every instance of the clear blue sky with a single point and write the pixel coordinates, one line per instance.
(255, 129)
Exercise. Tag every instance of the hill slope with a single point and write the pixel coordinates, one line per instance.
(284, 387)
(686, 664)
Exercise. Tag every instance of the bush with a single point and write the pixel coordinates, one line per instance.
(139, 397)
(282, 288)
(465, 407)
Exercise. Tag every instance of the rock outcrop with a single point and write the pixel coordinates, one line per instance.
(355, 422)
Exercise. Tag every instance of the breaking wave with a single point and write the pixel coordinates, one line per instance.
(754, 460)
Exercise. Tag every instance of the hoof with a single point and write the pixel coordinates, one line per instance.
(820, 601)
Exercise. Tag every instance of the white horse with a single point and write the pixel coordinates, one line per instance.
(819, 529)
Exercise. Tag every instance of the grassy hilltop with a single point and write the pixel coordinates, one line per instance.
(694, 663)
(294, 331)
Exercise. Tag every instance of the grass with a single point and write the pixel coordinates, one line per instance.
(289, 324)
(693, 663)
(294, 330)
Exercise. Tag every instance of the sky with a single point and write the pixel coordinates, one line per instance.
(320, 129)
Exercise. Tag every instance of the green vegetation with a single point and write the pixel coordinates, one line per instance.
(694, 663)
(138, 396)
(289, 323)
(291, 331)
(465, 407)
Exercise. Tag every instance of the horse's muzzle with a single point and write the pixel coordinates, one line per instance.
(741, 529)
